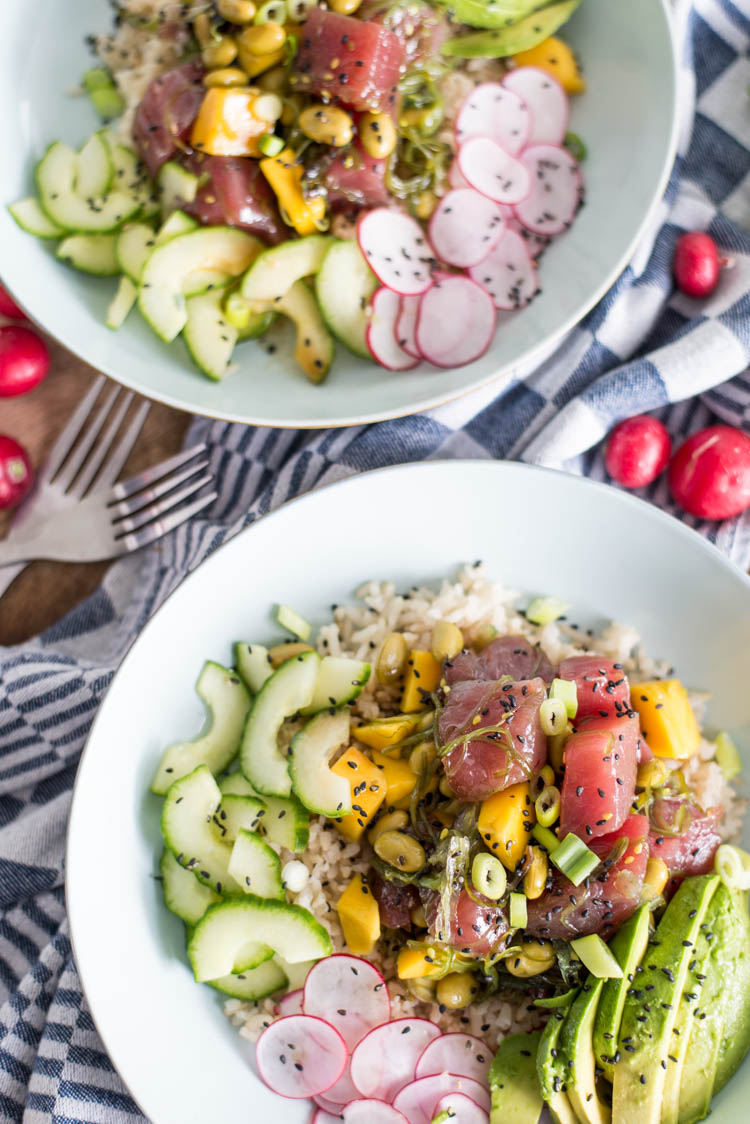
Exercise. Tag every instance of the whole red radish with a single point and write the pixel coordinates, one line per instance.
(16, 473)
(9, 308)
(697, 264)
(24, 360)
(710, 473)
(637, 451)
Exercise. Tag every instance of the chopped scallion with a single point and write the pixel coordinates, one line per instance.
(727, 756)
(101, 89)
(546, 837)
(553, 717)
(518, 912)
(545, 610)
(488, 876)
(594, 954)
(547, 806)
(732, 864)
(270, 144)
(567, 692)
(574, 859)
(293, 622)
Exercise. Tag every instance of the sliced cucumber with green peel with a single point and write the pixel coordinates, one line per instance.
(253, 664)
(227, 701)
(95, 169)
(255, 984)
(130, 175)
(57, 176)
(31, 218)
(134, 246)
(90, 253)
(238, 812)
(274, 271)
(233, 926)
(208, 337)
(176, 185)
(121, 304)
(192, 830)
(311, 751)
(296, 974)
(340, 681)
(344, 286)
(255, 866)
(177, 223)
(293, 622)
(184, 895)
(285, 822)
(289, 689)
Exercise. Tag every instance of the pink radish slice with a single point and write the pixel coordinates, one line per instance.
(456, 322)
(300, 1056)
(465, 227)
(536, 244)
(323, 1116)
(406, 325)
(494, 173)
(385, 1060)
(291, 1003)
(492, 110)
(455, 1053)
(396, 250)
(372, 1112)
(547, 101)
(386, 350)
(556, 191)
(462, 1109)
(345, 990)
(344, 1090)
(417, 1101)
(455, 177)
(508, 273)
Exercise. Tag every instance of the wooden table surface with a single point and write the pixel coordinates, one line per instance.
(45, 591)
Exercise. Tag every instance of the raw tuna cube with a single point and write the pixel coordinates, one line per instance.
(603, 687)
(356, 179)
(234, 192)
(693, 850)
(166, 113)
(599, 783)
(475, 927)
(508, 655)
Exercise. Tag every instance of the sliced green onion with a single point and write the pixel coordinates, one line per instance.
(574, 859)
(545, 610)
(727, 756)
(488, 876)
(546, 837)
(274, 11)
(518, 912)
(270, 144)
(575, 146)
(556, 747)
(553, 717)
(101, 89)
(732, 865)
(548, 806)
(293, 622)
(567, 692)
(298, 9)
(594, 954)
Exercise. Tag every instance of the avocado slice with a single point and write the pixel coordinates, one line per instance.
(651, 1008)
(552, 1066)
(628, 946)
(514, 1085)
(508, 39)
(576, 1042)
(492, 13)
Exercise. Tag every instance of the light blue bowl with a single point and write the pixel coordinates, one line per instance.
(627, 120)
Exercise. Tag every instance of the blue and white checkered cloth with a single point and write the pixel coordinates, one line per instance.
(642, 348)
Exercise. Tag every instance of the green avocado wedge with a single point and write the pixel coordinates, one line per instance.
(492, 13)
(508, 39)
(514, 1085)
(552, 1067)
(628, 946)
(576, 1043)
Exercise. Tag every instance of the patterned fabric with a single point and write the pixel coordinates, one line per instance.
(640, 349)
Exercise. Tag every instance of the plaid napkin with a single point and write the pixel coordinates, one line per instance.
(640, 349)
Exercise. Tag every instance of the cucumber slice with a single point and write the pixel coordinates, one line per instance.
(339, 681)
(57, 179)
(184, 895)
(289, 689)
(293, 622)
(208, 337)
(344, 286)
(270, 926)
(177, 223)
(238, 813)
(255, 984)
(130, 175)
(253, 664)
(296, 974)
(313, 349)
(255, 866)
(285, 822)
(311, 750)
(177, 186)
(205, 281)
(31, 218)
(123, 301)
(134, 246)
(90, 253)
(227, 701)
(189, 826)
(95, 168)
(170, 267)
(274, 272)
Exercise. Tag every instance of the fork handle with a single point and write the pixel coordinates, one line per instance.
(8, 574)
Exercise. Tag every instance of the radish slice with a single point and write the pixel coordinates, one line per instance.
(536, 244)
(385, 1060)
(372, 1112)
(556, 193)
(417, 1101)
(349, 993)
(547, 101)
(494, 173)
(291, 1003)
(465, 227)
(492, 110)
(455, 177)
(396, 250)
(456, 322)
(508, 274)
(323, 1116)
(455, 1053)
(344, 1090)
(462, 1109)
(386, 349)
(300, 1056)
(328, 1106)
(406, 325)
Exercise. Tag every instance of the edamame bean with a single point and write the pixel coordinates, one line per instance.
(378, 135)
(447, 637)
(400, 850)
(326, 124)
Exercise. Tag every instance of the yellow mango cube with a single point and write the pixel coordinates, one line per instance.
(405, 802)
(368, 792)
(557, 58)
(416, 964)
(422, 674)
(667, 720)
(226, 124)
(359, 916)
(383, 733)
(505, 822)
(285, 177)
(398, 776)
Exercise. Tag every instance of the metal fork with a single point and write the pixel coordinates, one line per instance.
(76, 512)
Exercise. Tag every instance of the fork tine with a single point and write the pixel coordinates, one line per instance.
(142, 499)
(89, 471)
(142, 480)
(153, 531)
(65, 441)
(114, 465)
(161, 507)
(67, 474)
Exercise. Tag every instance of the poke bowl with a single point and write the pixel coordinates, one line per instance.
(223, 205)
(462, 836)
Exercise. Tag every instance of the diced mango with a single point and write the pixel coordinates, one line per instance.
(285, 177)
(422, 674)
(359, 916)
(557, 58)
(667, 720)
(399, 778)
(503, 820)
(417, 964)
(226, 124)
(382, 733)
(253, 65)
(368, 792)
(405, 802)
